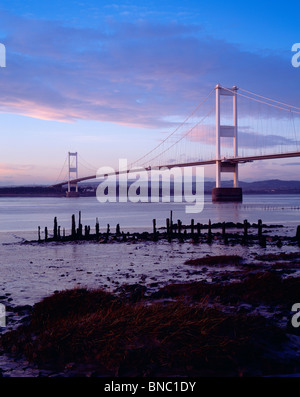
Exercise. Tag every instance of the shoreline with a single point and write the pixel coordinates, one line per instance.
(225, 269)
(261, 294)
(86, 195)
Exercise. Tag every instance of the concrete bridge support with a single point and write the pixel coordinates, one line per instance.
(73, 174)
(220, 193)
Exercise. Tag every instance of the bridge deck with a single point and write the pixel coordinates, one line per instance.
(244, 159)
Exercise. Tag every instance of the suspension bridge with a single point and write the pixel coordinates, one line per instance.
(230, 126)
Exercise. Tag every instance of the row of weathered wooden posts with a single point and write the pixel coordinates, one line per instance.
(173, 230)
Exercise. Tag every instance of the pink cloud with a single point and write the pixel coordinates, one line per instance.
(138, 74)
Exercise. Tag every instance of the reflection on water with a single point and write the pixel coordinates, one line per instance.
(25, 214)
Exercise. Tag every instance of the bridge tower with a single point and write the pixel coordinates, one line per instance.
(72, 174)
(220, 193)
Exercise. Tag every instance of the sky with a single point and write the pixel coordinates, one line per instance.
(107, 79)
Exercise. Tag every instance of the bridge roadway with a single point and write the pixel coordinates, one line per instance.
(245, 159)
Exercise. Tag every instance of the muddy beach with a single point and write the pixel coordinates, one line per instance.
(240, 290)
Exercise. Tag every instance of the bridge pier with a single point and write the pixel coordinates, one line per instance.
(72, 194)
(227, 194)
(220, 193)
(73, 170)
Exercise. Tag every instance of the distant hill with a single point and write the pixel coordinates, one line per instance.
(268, 186)
(273, 186)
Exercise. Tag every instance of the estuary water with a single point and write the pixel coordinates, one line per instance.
(28, 272)
(22, 214)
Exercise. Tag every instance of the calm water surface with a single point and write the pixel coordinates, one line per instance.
(26, 214)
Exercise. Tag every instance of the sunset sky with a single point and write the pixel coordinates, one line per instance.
(105, 78)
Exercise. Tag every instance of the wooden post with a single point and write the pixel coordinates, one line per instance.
(192, 226)
(79, 232)
(39, 233)
(58, 233)
(64, 232)
(199, 228)
(179, 226)
(97, 227)
(46, 233)
(73, 227)
(259, 225)
(209, 230)
(223, 229)
(169, 232)
(298, 235)
(224, 235)
(118, 230)
(55, 229)
(154, 226)
(107, 233)
(262, 239)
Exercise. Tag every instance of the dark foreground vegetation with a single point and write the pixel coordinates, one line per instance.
(188, 329)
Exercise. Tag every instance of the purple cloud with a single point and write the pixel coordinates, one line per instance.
(135, 73)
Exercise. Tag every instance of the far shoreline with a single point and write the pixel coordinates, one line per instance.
(62, 195)
(264, 187)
